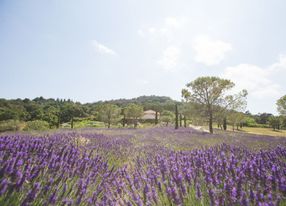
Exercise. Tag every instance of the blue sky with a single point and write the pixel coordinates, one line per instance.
(101, 49)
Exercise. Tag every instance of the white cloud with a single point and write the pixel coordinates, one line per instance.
(175, 31)
(255, 79)
(280, 66)
(210, 52)
(166, 30)
(170, 58)
(141, 33)
(174, 22)
(143, 82)
(166, 38)
(260, 82)
(102, 49)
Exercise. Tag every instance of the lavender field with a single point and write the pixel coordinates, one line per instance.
(156, 166)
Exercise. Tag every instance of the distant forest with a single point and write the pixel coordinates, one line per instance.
(58, 111)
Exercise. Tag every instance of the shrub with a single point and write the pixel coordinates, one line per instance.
(85, 124)
(36, 125)
(11, 125)
(250, 122)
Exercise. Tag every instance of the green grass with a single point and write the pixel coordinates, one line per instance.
(254, 130)
(264, 131)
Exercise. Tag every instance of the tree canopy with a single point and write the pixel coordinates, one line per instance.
(133, 112)
(281, 105)
(210, 93)
(109, 113)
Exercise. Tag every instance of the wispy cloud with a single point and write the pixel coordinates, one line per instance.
(260, 82)
(164, 36)
(170, 58)
(166, 29)
(209, 51)
(102, 49)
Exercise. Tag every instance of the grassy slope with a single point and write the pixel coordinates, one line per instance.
(264, 131)
(253, 130)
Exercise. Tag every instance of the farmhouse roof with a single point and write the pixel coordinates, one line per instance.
(149, 114)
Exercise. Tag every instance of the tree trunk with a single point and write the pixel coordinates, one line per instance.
(185, 122)
(108, 125)
(224, 124)
(72, 122)
(211, 123)
(124, 118)
(59, 123)
(123, 121)
(180, 120)
(177, 117)
(156, 118)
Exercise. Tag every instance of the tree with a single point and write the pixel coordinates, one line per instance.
(235, 118)
(224, 124)
(262, 118)
(35, 111)
(69, 111)
(109, 114)
(6, 114)
(192, 112)
(167, 117)
(133, 112)
(249, 121)
(275, 122)
(210, 94)
(123, 121)
(51, 115)
(186, 112)
(283, 126)
(281, 105)
(176, 117)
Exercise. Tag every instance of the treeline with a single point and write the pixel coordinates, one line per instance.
(54, 112)
(41, 113)
(262, 120)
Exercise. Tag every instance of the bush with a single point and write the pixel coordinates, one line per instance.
(262, 125)
(11, 125)
(36, 125)
(250, 122)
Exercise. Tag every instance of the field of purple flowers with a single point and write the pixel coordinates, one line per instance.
(157, 166)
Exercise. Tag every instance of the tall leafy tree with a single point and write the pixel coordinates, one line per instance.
(176, 117)
(51, 115)
(167, 117)
(6, 114)
(281, 105)
(109, 113)
(235, 119)
(211, 93)
(35, 111)
(275, 122)
(69, 111)
(133, 112)
(262, 118)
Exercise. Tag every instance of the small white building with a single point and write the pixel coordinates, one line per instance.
(150, 114)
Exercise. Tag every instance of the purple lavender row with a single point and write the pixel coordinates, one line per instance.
(86, 168)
